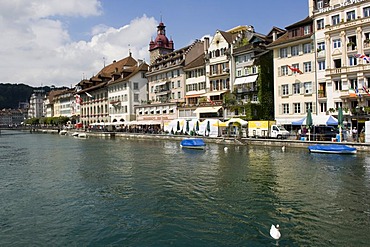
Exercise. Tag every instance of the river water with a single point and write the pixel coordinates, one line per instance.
(64, 191)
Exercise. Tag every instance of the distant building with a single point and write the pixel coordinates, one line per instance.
(12, 117)
(36, 109)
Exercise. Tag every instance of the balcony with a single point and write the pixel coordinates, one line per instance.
(246, 89)
(349, 69)
(321, 94)
(162, 91)
(366, 43)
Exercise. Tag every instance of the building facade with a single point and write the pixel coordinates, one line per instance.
(294, 72)
(342, 40)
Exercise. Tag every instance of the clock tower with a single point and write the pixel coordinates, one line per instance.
(161, 45)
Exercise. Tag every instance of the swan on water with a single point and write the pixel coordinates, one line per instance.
(226, 148)
(275, 232)
(283, 148)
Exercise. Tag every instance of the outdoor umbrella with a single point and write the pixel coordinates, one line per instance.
(309, 122)
(340, 123)
(178, 126)
(197, 126)
(209, 127)
(187, 127)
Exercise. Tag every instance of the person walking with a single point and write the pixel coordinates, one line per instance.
(354, 134)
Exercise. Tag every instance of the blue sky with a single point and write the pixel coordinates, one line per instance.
(49, 43)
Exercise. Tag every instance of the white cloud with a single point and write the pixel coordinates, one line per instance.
(36, 47)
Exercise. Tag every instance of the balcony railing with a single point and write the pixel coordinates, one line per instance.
(321, 94)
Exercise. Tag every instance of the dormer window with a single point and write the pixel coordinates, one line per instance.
(294, 32)
(307, 29)
(320, 4)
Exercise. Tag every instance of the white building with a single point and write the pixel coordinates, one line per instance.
(36, 109)
(342, 40)
(127, 92)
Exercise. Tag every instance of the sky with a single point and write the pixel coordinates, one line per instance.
(58, 43)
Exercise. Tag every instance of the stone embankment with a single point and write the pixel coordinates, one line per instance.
(220, 140)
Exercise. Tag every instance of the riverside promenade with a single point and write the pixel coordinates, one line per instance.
(292, 143)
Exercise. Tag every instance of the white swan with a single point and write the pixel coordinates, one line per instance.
(225, 149)
(283, 148)
(275, 232)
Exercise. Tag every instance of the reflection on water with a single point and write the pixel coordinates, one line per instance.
(58, 190)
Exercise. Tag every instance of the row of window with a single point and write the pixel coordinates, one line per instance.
(168, 75)
(157, 111)
(243, 58)
(219, 68)
(159, 88)
(94, 110)
(195, 73)
(336, 19)
(295, 50)
(295, 108)
(248, 70)
(217, 53)
(160, 98)
(294, 68)
(196, 86)
(296, 88)
(118, 110)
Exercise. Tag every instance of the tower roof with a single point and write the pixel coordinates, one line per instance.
(161, 41)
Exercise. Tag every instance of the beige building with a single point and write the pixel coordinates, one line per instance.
(294, 72)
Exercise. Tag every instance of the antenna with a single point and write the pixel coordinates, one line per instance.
(129, 50)
(104, 61)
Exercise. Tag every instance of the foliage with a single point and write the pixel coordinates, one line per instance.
(51, 121)
(12, 94)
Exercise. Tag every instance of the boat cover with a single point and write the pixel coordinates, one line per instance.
(332, 148)
(192, 142)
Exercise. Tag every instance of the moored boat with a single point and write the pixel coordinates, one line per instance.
(82, 135)
(193, 143)
(332, 149)
(63, 132)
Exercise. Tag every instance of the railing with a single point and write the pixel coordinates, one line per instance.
(321, 94)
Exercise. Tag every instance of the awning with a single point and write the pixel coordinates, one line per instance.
(246, 79)
(207, 109)
(318, 120)
(239, 81)
(144, 122)
(213, 93)
(160, 83)
(192, 95)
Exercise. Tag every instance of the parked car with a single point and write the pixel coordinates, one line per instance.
(323, 133)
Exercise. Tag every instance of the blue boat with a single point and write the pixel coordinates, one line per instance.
(332, 149)
(193, 143)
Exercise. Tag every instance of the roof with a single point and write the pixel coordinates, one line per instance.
(134, 70)
(307, 20)
(117, 67)
(286, 37)
(198, 62)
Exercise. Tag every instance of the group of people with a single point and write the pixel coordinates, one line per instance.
(347, 134)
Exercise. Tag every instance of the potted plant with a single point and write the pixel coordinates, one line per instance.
(350, 44)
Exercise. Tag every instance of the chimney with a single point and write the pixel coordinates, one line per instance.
(206, 44)
(274, 36)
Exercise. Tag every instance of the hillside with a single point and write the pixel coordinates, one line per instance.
(12, 94)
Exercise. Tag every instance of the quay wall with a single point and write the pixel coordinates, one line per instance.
(365, 147)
